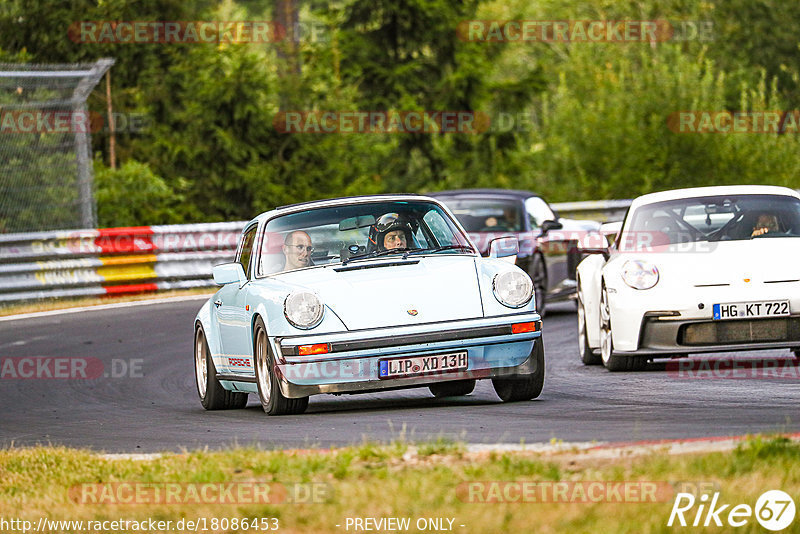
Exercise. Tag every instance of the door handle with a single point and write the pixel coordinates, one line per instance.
(217, 303)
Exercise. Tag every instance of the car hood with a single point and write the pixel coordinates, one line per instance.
(392, 292)
(726, 262)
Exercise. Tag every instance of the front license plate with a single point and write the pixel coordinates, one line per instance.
(423, 365)
(748, 310)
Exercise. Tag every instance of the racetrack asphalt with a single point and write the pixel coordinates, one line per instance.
(154, 407)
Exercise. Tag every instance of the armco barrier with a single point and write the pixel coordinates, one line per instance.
(113, 261)
(74, 263)
(596, 210)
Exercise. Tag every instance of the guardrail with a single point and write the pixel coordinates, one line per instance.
(113, 261)
(76, 263)
(595, 210)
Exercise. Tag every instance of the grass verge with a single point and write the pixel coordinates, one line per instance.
(314, 491)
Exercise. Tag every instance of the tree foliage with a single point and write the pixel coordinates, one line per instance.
(569, 120)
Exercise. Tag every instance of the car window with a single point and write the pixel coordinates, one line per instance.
(324, 236)
(712, 218)
(487, 215)
(246, 250)
(538, 211)
(440, 228)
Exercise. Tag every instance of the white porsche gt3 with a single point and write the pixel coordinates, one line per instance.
(689, 271)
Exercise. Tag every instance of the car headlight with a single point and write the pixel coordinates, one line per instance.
(512, 288)
(640, 274)
(303, 309)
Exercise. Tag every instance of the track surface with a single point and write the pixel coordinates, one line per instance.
(159, 410)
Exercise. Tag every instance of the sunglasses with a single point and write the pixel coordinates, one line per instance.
(301, 247)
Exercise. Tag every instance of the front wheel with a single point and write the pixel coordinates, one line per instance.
(587, 356)
(269, 391)
(524, 387)
(611, 361)
(457, 388)
(212, 395)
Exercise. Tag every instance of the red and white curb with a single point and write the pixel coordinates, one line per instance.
(586, 449)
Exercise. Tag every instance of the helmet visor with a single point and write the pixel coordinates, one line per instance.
(391, 221)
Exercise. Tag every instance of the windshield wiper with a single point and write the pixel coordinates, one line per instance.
(407, 252)
(445, 247)
(376, 254)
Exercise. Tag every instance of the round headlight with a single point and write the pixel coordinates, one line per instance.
(513, 289)
(640, 274)
(303, 309)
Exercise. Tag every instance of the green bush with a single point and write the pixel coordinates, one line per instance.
(133, 195)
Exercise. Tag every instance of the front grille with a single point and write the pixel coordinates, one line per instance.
(740, 331)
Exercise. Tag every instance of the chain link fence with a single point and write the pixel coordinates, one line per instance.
(45, 146)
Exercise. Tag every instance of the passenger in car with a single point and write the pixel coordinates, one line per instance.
(297, 248)
(765, 223)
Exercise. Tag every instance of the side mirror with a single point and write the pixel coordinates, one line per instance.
(593, 243)
(228, 273)
(504, 247)
(599, 242)
(551, 225)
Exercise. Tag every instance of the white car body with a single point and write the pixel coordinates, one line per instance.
(691, 278)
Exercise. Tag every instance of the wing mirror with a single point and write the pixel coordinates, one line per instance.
(228, 273)
(599, 242)
(551, 225)
(504, 247)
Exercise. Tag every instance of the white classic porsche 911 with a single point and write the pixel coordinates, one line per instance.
(693, 270)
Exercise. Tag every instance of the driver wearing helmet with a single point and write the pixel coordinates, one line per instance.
(390, 231)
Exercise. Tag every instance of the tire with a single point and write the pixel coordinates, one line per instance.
(456, 388)
(587, 356)
(796, 353)
(523, 388)
(269, 392)
(538, 276)
(613, 362)
(212, 395)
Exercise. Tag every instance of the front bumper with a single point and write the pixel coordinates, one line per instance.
(351, 365)
(667, 335)
(664, 320)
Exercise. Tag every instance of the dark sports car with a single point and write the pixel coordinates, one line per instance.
(547, 243)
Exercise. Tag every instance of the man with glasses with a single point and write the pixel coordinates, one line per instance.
(297, 249)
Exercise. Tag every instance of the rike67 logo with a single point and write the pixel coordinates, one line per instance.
(774, 510)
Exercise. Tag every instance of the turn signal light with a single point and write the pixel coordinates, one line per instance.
(307, 350)
(520, 328)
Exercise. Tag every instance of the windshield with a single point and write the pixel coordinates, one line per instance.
(346, 233)
(713, 218)
(486, 215)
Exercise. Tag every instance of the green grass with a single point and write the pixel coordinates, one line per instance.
(397, 480)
